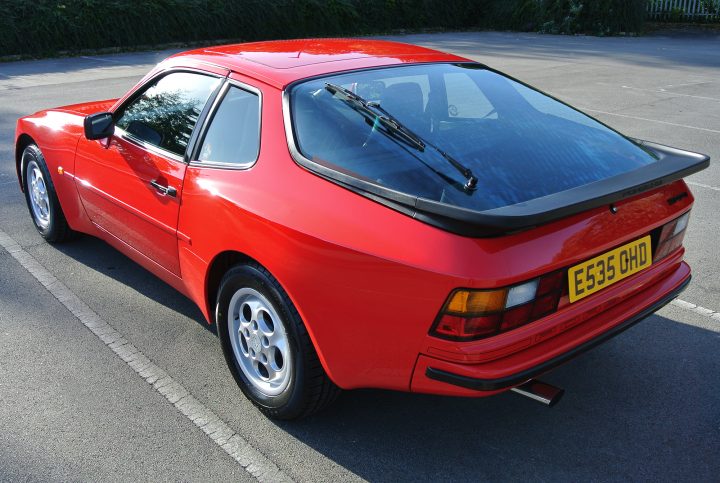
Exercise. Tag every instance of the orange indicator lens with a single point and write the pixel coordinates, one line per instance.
(465, 302)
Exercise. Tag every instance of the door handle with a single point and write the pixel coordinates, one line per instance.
(165, 190)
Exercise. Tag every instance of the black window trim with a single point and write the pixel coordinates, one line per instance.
(201, 118)
(192, 154)
(672, 164)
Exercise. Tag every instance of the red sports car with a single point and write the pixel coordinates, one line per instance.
(369, 214)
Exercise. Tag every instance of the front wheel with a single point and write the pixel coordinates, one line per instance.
(267, 347)
(41, 198)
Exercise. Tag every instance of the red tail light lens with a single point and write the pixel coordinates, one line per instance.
(454, 327)
(476, 314)
(516, 317)
(671, 237)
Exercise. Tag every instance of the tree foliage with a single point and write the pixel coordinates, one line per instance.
(43, 27)
(597, 17)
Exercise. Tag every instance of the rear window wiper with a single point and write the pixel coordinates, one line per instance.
(391, 123)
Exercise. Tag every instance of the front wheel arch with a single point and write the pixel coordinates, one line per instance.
(23, 141)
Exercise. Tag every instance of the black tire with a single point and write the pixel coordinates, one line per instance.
(55, 229)
(309, 390)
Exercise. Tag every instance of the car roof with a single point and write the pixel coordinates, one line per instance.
(284, 61)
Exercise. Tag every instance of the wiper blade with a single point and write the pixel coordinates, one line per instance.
(371, 109)
(374, 109)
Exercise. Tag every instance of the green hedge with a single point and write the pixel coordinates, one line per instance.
(45, 27)
(597, 17)
(48, 26)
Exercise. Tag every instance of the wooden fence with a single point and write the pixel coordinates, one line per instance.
(694, 10)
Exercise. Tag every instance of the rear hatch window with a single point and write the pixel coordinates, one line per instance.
(520, 144)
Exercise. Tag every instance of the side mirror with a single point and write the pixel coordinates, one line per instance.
(99, 126)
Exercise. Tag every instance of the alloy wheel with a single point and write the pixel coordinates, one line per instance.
(259, 341)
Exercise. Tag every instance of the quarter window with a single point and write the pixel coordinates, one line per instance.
(234, 133)
(166, 113)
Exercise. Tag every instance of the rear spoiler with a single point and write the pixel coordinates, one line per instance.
(672, 164)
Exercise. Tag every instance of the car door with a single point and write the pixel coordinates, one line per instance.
(131, 184)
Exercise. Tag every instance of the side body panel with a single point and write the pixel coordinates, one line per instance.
(114, 183)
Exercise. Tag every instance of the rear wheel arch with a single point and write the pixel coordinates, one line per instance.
(267, 346)
(216, 270)
(223, 262)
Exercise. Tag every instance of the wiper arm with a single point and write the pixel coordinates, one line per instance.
(391, 122)
(464, 170)
(369, 108)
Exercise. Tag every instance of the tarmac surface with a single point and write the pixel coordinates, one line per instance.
(643, 406)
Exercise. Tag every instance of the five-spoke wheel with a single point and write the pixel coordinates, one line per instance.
(260, 342)
(41, 197)
(267, 347)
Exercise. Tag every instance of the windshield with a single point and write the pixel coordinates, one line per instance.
(519, 143)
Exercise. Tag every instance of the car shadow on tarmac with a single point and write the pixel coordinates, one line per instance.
(633, 409)
(99, 256)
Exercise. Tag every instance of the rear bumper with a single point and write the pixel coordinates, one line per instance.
(521, 377)
(440, 376)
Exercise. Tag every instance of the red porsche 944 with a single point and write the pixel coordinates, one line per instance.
(369, 214)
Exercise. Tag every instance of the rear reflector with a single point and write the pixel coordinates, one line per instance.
(516, 317)
(454, 327)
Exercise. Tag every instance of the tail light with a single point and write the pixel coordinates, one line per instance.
(476, 314)
(671, 237)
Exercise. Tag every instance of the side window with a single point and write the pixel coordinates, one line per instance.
(234, 133)
(465, 100)
(165, 114)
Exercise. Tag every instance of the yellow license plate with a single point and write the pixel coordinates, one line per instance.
(588, 277)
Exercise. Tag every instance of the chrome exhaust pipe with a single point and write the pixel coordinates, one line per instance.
(541, 392)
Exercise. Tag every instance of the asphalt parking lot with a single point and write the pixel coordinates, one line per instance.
(644, 406)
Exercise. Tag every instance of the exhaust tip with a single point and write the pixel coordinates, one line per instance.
(541, 392)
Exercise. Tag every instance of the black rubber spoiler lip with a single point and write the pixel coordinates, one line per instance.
(672, 164)
(521, 377)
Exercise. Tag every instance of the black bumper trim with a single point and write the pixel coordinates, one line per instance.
(521, 377)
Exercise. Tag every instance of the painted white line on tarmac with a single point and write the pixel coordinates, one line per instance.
(674, 94)
(101, 59)
(697, 309)
(254, 462)
(650, 120)
(702, 185)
